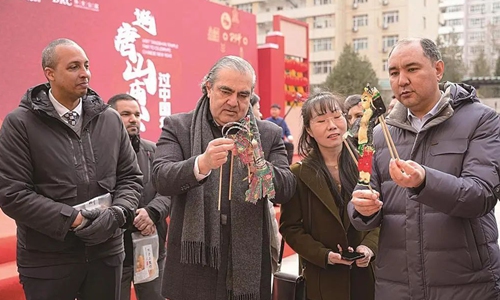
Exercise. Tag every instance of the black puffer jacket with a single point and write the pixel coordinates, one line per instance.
(46, 168)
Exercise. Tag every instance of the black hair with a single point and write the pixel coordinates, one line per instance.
(430, 49)
(254, 99)
(118, 97)
(351, 101)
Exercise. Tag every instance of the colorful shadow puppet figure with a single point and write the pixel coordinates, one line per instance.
(373, 108)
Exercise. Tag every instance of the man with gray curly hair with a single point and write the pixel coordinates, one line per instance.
(218, 249)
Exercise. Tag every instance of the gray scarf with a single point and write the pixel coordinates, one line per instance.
(201, 242)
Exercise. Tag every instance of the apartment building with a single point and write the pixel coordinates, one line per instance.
(372, 27)
(476, 24)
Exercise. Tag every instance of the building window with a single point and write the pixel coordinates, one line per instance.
(476, 22)
(325, 21)
(322, 67)
(454, 22)
(388, 41)
(385, 67)
(245, 7)
(477, 8)
(476, 49)
(360, 44)
(448, 38)
(360, 1)
(496, 7)
(322, 44)
(391, 17)
(322, 2)
(454, 8)
(361, 20)
(476, 36)
(495, 20)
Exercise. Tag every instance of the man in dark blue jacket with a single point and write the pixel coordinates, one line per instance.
(286, 134)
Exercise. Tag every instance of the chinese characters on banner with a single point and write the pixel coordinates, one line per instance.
(228, 32)
(141, 73)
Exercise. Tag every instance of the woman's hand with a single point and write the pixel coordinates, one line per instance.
(365, 261)
(336, 258)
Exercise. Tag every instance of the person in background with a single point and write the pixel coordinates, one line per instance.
(60, 148)
(153, 208)
(218, 249)
(392, 104)
(434, 205)
(273, 229)
(315, 222)
(286, 134)
(255, 104)
(353, 108)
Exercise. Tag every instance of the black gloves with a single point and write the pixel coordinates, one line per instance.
(104, 224)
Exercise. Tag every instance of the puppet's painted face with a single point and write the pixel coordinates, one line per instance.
(366, 100)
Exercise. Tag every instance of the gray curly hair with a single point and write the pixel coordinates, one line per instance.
(228, 62)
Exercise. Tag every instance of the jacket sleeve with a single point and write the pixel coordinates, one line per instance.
(370, 240)
(471, 194)
(18, 198)
(293, 231)
(128, 186)
(362, 223)
(284, 180)
(172, 173)
(161, 204)
(286, 130)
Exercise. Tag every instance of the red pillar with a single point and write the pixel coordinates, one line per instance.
(271, 74)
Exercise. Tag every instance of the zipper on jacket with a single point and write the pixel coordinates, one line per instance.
(421, 208)
(421, 214)
(72, 149)
(90, 145)
(85, 128)
(84, 162)
(86, 255)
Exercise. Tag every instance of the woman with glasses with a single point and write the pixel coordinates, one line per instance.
(315, 222)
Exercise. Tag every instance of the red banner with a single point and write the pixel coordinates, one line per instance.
(157, 51)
